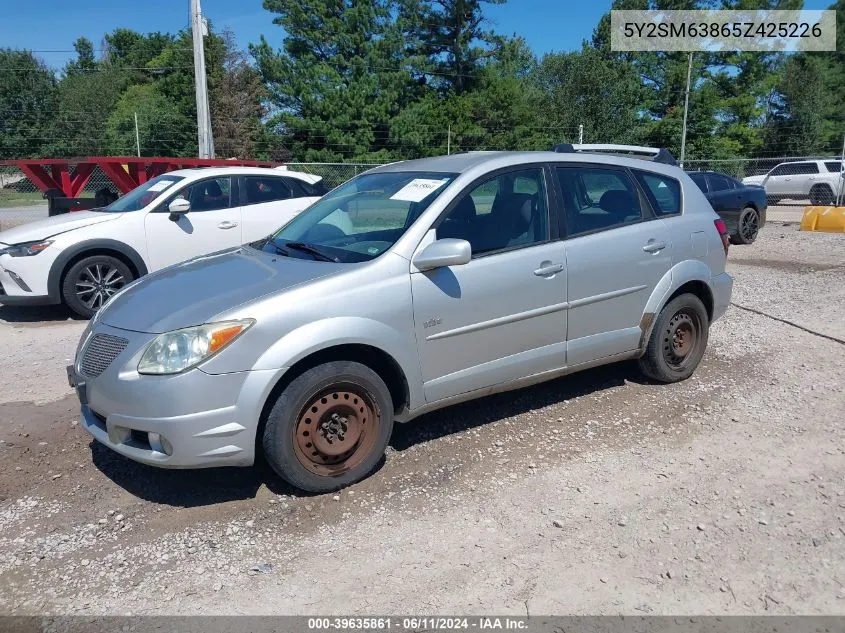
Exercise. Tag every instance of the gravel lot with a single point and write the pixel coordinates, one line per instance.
(594, 494)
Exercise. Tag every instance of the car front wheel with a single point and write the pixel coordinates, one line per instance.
(678, 340)
(92, 281)
(329, 427)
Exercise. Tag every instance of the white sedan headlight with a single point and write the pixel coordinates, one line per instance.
(180, 350)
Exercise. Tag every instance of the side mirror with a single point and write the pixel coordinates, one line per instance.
(178, 208)
(442, 253)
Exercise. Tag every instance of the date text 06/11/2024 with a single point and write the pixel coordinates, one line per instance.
(420, 623)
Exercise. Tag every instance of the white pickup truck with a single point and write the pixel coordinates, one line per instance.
(818, 180)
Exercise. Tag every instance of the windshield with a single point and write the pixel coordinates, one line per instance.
(361, 219)
(141, 196)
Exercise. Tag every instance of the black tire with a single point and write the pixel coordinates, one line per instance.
(81, 290)
(821, 195)
(665, 360)
(288, 426)
(747, 227)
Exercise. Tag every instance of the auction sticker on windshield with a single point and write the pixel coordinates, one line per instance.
(418, 189)
(161, 185)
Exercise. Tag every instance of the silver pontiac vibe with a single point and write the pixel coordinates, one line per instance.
(411, 287)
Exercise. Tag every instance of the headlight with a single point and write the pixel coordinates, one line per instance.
(26, 249)
(180, 350)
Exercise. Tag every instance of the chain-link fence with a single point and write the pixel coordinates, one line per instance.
(333, 174)
(791, 180)
(16, 190)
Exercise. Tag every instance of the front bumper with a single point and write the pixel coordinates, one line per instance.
(189, 420)
(722, 286)
(24, 282)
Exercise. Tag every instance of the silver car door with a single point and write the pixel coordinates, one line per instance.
(502, 316)
(616, 252)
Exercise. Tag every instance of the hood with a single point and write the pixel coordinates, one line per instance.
(754, 180)
(42, 229)
(198, 290)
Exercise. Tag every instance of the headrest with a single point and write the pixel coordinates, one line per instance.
(518, 206)
(212, 188)
(619, 203)
(465, 210)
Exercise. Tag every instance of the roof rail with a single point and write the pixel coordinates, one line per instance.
(657, 154)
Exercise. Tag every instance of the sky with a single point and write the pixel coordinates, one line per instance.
(53, 25)
(49, 27)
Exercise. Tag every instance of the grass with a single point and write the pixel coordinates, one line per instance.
(11, 198)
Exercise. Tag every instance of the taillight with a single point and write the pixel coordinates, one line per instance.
(723, 233)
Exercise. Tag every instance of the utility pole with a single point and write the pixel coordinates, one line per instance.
(449, 140)
(580, 133)
(841, 174)
(137, 136)
(686, 109)
(198, 30)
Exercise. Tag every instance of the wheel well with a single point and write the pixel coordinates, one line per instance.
(819, 185)
(92, 253)
(379, 361)
(700, 290)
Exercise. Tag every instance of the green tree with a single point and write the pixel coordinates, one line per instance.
(453, 38)
(27, 93)
(800, 117)
(85, 61)
(237, 107)
(592, 89)
(172, 69)
(163, 129)
(84, 101)
(339, 78)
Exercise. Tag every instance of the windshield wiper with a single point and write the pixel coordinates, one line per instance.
(311, 250)
(277, 247)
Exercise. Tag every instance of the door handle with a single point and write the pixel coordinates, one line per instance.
(547, 269)
(654, 247)
(226, 224)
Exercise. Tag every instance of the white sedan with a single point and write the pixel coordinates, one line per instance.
(81, 259)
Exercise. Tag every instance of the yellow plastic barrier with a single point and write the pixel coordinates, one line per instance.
(826, 219)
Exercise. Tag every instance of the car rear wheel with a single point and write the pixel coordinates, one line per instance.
(92, 281)
(821, 195)
(330, 426)
(678, 340)
(747, 226)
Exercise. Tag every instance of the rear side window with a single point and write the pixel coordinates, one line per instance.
(720, 183)
(266, 189)
(833, 166)
(597, 198)
(310, 189)
(664, 193)
(795, 169)
(700, 180)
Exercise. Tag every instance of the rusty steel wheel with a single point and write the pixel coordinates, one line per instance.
(678, 340)
(329, 427)
(336, 430)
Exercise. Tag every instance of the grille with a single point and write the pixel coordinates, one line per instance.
(99, 354)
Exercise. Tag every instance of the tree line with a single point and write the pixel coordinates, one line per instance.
(382, 80)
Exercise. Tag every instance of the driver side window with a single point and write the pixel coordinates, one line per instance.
(212, 194)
